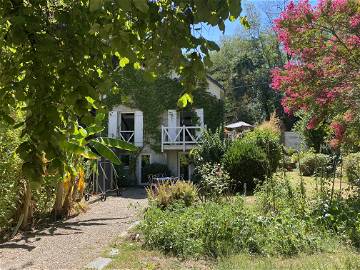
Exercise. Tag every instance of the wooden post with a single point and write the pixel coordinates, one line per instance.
(184, 138)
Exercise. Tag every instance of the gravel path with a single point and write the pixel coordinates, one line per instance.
(74, 243)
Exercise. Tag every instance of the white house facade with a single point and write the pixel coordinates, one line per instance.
(179, 134)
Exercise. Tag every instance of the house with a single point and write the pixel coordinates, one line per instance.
(178, 131)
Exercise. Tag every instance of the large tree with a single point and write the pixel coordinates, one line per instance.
(322, 77)
(57, 58)
(243, 65)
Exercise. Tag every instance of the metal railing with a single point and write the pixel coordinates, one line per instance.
(181, 136)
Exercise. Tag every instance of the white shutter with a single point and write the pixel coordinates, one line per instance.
(200, 115)
(112, 125)
(172, 124)
(139, 129)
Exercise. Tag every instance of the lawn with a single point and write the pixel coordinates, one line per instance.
(132, 256)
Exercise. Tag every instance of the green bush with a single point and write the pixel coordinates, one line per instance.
(269, 142)
(212, 148)
(165, 194)
(11, 183)
(213, 182)
(155, 168)
(216, 229)
(352, 168)
(246, 163)
(312, 163)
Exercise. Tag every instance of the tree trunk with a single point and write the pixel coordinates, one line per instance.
(26, 211)
(58, 206)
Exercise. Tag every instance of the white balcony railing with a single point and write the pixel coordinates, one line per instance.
(180, 136)
(127, 136)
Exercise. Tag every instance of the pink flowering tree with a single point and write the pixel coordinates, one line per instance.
(322, 76)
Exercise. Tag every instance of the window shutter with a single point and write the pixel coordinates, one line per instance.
(172, 120)
(139, 128)
(200, 114)
(112, 126)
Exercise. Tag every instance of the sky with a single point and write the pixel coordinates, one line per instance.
(234, 28)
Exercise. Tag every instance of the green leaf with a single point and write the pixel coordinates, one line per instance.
(124, 61)
(6, 118)
(141, 5)
(244, 21)
(105, 152)
(117, 143)
(137, 65)
(184, 100)
(78, 150)
(124, 5)
(95, 5)
(235, 8)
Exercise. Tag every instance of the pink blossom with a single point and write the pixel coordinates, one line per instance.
(338, 129)
(355, 20)
(312, 123)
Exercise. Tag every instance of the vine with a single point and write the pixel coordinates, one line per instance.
(154, 97)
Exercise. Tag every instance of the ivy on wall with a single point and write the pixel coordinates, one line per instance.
(154, 97)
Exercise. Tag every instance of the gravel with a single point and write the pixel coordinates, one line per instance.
(72, 244)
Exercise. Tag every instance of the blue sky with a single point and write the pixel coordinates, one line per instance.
(233, 28)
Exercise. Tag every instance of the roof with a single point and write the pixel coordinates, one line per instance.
(238, 125)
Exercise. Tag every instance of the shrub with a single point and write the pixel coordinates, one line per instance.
(269, 142)
(312, 163)
(167, 193)
(155, 168)
(245, 163)
(352, 168)
(216, 229)
(11, 184)
(214, 180)
(211, 149)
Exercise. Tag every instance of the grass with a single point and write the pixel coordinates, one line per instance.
(132, 256)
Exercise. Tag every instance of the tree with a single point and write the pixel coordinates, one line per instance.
(322, 77)
(57, 59)
(243, 65)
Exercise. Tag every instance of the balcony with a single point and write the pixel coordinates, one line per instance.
(180, 138)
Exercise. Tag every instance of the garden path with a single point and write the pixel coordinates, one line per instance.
(75, 242)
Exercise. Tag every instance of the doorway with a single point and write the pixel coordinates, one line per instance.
(184, 166)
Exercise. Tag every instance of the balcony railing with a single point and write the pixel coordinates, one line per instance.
(127, 136)
(180, 136)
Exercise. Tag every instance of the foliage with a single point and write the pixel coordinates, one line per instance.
(168, 193)
(212, 148)
(315, 137)
(217, 229)
(352, 168)
(57, 60)
(213, 181)
(155, 168)
(243, 66)
(312, 163)
(246, 163)
(322, 76)
(269, 142)
(341, 216)
(11, 183)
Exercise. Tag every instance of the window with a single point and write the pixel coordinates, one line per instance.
(126, 124)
